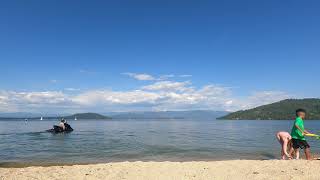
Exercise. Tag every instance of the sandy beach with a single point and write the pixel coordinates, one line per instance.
(235, 169)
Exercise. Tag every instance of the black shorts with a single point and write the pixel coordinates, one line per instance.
(302, 144)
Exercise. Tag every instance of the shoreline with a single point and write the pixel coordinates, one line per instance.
(8, 165)
(51, 164)
(231, 169)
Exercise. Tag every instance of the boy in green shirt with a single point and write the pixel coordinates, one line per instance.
(298, 132)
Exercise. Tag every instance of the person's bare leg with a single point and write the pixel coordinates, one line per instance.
(297, 152)
(292, 153)
(308, 153)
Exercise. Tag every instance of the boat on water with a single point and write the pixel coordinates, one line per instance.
(75, 118)
(58, 129)
(41, 118)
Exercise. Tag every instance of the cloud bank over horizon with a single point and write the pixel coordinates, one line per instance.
(161, 93)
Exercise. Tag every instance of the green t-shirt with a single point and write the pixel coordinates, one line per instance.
(296, 133)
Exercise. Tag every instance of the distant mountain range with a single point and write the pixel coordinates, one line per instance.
(283, 110)
(196, 114)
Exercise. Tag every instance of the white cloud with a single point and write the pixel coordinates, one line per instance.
(4, 103)
(53, 81)
(185, 75)
(263, 97)
(164, 95)
(32, 101)
(159, 95)
(140, 77)
(47, 97)
(148, 77)
(115, 97)
(168, 86)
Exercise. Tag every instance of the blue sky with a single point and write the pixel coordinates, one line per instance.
(63, 53)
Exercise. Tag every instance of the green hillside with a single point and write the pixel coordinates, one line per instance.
(87, 116)
(283, 110)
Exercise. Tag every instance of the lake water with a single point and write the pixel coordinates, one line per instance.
(97, 141)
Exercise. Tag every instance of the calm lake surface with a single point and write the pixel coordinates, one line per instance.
(97, 141)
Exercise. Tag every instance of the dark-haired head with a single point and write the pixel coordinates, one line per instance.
(299, 111)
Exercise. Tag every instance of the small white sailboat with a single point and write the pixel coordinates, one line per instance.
(41, 118)
(75, 118)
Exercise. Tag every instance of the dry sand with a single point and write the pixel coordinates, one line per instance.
(237, 169)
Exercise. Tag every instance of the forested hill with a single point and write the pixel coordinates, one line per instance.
(283, 110)
(87, 116)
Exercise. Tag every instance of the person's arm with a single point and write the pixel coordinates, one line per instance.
(278, 137)
(303, 132)
(307, 132)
